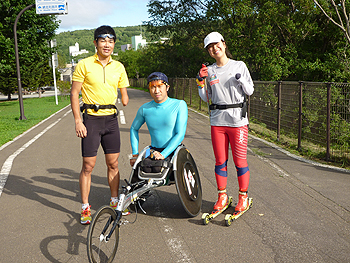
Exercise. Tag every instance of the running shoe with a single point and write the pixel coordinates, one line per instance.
(85, 218)
(114, 206)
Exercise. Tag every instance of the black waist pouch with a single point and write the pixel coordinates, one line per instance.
(150, 165)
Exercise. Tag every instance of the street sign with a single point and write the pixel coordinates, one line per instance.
(51, 7)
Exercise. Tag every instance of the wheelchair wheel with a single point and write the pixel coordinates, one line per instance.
(98, 248)
(188, 183)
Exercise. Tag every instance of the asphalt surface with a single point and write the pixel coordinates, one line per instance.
(300, 213)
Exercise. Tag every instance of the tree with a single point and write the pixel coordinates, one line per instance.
(279, 40)
(341, 15)
(33, 33)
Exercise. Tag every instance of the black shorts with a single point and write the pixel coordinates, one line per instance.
(102, 130)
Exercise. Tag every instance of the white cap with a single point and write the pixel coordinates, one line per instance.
(213, 37)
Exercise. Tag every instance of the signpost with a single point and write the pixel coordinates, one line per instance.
(43, 7)
(54, 61)
(51, 7)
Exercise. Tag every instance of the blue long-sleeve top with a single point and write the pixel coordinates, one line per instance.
(166, 124)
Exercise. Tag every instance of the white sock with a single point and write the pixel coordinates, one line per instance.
(84, 206)
(114, 200)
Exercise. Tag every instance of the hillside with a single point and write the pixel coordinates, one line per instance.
(85, 39)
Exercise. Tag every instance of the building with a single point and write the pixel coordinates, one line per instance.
(74, 50)
(138, 42)
(126, 47)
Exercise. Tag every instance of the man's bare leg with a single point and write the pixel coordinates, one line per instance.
(85, 178)
(113, 175)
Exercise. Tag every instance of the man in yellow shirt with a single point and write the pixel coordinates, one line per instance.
(98, 78)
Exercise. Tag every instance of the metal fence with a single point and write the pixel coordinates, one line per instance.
(310, 112)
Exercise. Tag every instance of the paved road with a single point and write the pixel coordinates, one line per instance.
(301, 212)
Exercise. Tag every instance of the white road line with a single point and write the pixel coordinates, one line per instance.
(272, 164)
(173, 239)
(122, 117)
(300, 158)
(6, 168)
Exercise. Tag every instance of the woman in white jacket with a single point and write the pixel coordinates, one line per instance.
(228, 83)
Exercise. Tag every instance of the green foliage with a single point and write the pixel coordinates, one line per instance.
(85, 39)
(278, 40)
(33, 33)
(130, 58)
(64, 87)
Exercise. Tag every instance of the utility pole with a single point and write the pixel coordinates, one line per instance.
(57, 7)
(53, 44)
(20, 97)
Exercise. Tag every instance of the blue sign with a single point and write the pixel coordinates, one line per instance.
(51, 7)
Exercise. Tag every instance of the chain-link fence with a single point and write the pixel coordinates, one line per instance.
(309, 112)
(340, 119)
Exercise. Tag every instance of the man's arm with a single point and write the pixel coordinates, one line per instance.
(179, 130)
(80, 128)
(125, 97)
(134, 134)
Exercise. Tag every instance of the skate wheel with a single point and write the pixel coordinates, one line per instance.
(205, 218)
(228, 220)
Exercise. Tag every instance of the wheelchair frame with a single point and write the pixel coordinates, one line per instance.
(101, 243)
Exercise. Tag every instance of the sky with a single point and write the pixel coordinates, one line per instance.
(90, 14)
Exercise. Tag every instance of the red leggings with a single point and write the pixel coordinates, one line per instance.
(221, 136)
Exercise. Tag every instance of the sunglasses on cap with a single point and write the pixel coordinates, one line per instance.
(105, 35)
(162, 82)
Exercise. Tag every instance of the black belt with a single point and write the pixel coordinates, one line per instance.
(97, 107)
(227, 106)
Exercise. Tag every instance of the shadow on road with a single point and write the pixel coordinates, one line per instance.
(60, 248)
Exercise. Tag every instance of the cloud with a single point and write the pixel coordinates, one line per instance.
(90, 14)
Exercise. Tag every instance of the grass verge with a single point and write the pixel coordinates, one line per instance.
(35, 110)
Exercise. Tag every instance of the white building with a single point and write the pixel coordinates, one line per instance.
(138, 42)
(74, 50)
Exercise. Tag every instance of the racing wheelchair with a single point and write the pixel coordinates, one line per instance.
(181, 170)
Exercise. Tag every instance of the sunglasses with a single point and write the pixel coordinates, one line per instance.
(159, 85)
(104, 36)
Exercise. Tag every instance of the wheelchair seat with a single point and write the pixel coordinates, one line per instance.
(139, 174)
(164, 166)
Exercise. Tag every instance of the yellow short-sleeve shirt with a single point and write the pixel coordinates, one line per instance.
(100, 84)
